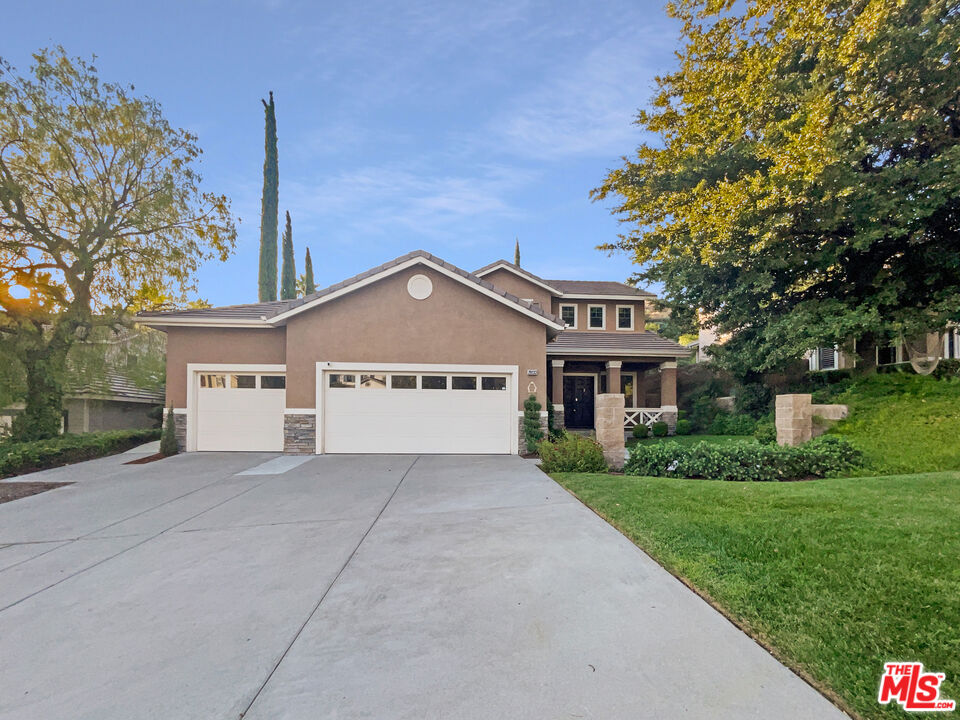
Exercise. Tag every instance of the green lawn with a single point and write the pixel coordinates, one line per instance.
(904, 423)
(692, 439)
(837, 576)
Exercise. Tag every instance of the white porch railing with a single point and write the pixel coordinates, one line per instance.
(641, 416)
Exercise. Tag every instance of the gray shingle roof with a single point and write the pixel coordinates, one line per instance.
(596, 287)
(118, 387)
(631, 343)
(269, 310)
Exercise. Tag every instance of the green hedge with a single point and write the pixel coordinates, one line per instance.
(19, 458)
(571, 453)
(822, 456)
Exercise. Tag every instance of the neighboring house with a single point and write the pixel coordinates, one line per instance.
(111, 402)
(413, 356)
(944, 345)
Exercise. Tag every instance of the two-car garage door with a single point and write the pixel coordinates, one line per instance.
(417, 412)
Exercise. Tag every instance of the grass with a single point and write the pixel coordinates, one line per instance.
(903, 423)
(692, 439)
(835, 576)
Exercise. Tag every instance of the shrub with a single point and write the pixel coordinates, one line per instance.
(684, 427)
(726, 424)
(17, 458)
(766, 433)
(720, 424)
(572, 453)
(753, 400)
(660, 429)
(532, 434)
(168, 438)
(640, 431)
(702, 412)
(744, 461)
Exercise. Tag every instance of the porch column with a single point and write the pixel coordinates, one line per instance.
(668, 394)
(613, 375)
(556, 367)
(668, 386)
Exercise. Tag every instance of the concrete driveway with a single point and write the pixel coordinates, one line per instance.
(353, 587)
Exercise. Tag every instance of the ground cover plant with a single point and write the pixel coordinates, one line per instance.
(836, 576)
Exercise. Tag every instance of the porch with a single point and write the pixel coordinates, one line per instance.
(649, 386)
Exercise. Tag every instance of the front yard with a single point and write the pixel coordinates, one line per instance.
(835, 576)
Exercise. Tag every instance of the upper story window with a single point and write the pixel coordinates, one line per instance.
(598, 316)
(568, 313)
(624, 317)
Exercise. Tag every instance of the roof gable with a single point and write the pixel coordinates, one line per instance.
(518, 271)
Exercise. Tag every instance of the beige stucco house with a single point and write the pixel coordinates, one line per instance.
(415, 355)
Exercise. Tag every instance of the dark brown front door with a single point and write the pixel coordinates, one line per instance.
(578, 401)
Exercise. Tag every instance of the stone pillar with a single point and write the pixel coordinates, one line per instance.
(608, 422)
(179, 429)
(300, 434)
(794, 419)
(613, 376)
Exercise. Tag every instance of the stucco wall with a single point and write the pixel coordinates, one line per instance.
(516, 285)
(381, 323)
(611, 314)
(217, 345)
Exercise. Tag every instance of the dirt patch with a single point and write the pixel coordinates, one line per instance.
(16, 490)
(147, 459)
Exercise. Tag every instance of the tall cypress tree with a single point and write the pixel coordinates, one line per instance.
(288, 272)
(268, 207)
(516, 253)
(309, 286)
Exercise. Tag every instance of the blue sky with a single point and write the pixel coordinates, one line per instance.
(448, 126)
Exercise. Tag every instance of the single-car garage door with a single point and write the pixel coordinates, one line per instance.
(240, 411)
(417, 412)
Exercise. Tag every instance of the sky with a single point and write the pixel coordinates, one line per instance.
(453, 127)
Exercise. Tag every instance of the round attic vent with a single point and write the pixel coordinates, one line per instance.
(420, 287)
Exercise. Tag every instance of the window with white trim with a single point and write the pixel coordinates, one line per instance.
(568, 313)
(624, 317)
(597, 317)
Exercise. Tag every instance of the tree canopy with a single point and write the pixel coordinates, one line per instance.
(101, 212)
(801, 181)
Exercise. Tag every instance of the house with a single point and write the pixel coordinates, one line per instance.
(945, 345)
(111, 402)
(412, 356)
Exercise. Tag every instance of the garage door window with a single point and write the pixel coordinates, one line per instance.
(342, 381)
(403, 382)
(493, 383)
(210, 380)
(243, 382)
(373, 381)
(273, 382)
(434, 382)
(461, 382)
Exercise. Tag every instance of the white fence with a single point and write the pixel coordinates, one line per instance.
(641, 416)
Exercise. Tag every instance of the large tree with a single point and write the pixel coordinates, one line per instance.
(309, 286)
(101, 212)
(269, 206)
(288, 272)
(801, 184)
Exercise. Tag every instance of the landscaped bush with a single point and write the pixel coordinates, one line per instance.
(684, 427)
(572, 453)
(753, 399)
(18, 458)
(766, 432)
(168, 436)
(640, 431)
(532, 433)
(823, 456)
(660, 429)
(726, 424)
(703, 411)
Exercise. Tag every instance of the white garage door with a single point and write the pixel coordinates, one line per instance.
(417, 412)
(240, 411)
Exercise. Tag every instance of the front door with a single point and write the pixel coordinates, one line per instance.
(578, 401)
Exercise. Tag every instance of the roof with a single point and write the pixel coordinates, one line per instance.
(597, 288)
(116, 386)
(275, 313)
(517, 270)
(615, 343)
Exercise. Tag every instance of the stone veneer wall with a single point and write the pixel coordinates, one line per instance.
(300, 434)
(179, 430)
